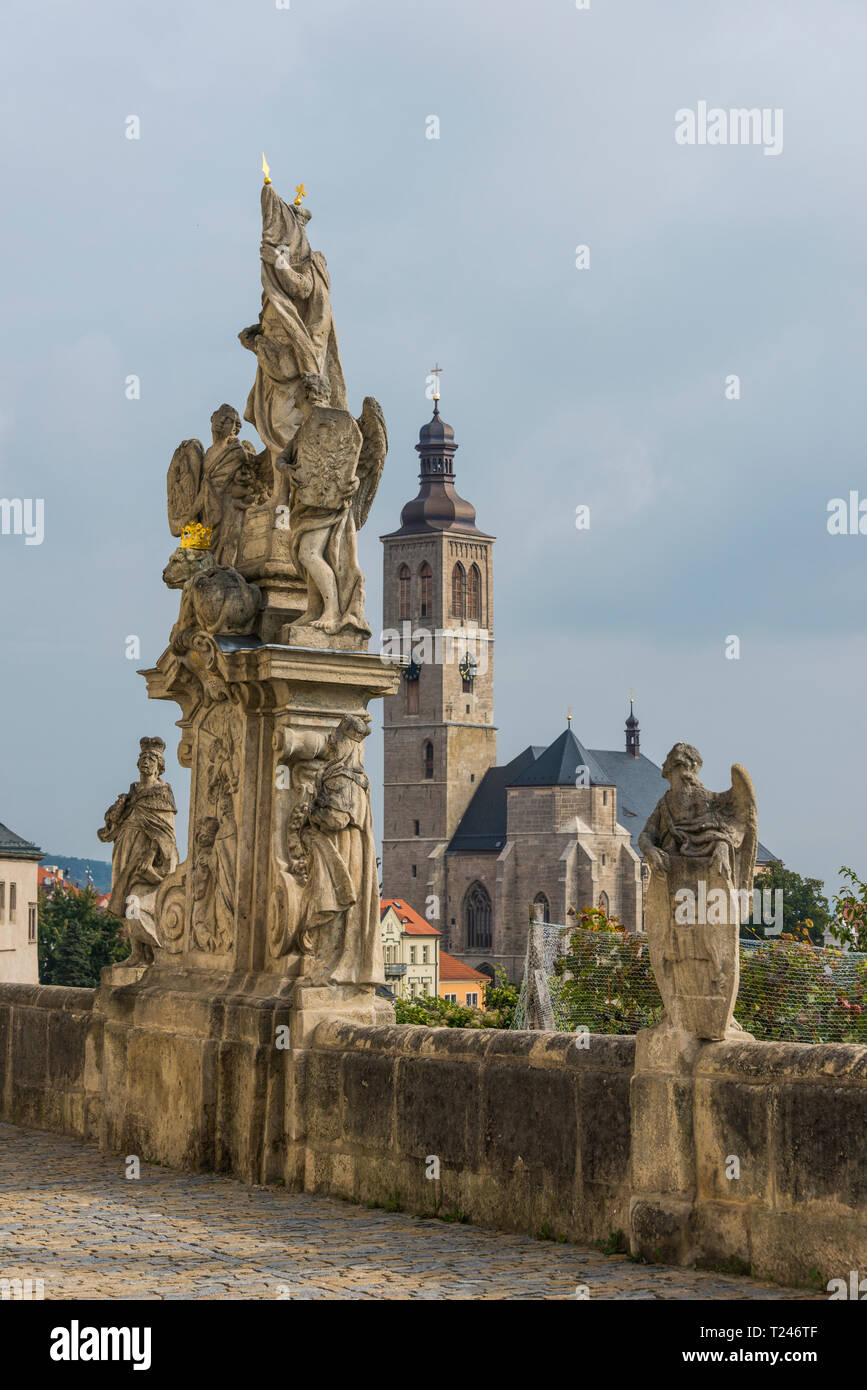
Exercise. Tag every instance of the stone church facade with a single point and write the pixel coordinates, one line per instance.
(471, 845)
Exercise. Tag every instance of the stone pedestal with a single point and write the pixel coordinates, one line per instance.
(197, 1047)
(664, 1180)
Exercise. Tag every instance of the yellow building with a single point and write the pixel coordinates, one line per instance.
(461, 983)
(410, 946)
(19, 863)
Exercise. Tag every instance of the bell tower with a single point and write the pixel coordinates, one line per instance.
(439, 734)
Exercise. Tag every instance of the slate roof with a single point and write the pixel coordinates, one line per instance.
(13, 846)
(483, 824)
(556, 767)
(639, 784)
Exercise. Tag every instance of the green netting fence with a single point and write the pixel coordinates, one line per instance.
(789, 991)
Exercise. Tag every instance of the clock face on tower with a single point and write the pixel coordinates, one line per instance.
(412, 671)
(467, 669)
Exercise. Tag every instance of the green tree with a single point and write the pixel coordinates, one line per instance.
(76, 938)
(849, 923)
(806, 912)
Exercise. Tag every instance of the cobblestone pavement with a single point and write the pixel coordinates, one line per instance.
(70, 1216)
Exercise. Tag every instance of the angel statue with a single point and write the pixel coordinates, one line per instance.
(701, 850)
(214, 487)
(334, 465)
(295, 335)
(141, 824)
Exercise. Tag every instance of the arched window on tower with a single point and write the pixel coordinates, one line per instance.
(404, 583)
(428, 761)
(426, 584)
(477, 918)
(603, 904)
(474, 595)
(541, 901)
(459, 592)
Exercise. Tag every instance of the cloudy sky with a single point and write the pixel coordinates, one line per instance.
(602, 386)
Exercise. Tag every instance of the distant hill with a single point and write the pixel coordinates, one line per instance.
(100, 869)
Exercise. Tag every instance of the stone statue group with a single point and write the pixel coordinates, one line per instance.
(268, 553)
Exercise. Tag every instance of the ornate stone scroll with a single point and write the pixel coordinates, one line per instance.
(701, 849)
(329, 851)
(141, 826)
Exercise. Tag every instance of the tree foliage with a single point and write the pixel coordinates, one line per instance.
(76, 938)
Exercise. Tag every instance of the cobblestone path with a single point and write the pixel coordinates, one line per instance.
(70, 1216)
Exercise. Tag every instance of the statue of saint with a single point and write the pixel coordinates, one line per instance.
(701, 850)
(141, 826)
(295, 335)
(331, 853)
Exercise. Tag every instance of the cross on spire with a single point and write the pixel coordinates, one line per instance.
(435, 373)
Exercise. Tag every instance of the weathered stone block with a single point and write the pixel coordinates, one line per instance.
(438, 1105)
(368, 1098)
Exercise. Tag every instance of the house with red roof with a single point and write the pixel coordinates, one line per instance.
(410, 947)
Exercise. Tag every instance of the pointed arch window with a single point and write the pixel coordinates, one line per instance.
(404, 583)
(459, 592)
(603, 904)
(428, 761)
(477, 918)
(541, 901)
(425, 575)
(474, 595)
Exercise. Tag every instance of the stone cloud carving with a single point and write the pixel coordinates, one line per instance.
(701, 849)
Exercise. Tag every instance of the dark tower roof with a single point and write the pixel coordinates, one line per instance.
(438, 507)
(633, 733)
(559, 763)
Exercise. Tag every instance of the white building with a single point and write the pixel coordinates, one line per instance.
(19, 861)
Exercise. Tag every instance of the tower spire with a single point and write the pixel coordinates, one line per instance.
(632, 731)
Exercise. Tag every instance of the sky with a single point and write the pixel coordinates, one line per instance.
(603, 386)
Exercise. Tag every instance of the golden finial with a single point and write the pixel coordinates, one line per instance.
(301, 192)
(265, 170)
(435, 373)
(195, 536)
(569, 718)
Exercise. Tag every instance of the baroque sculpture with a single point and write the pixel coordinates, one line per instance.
(701, 849)
(141, 826)
(329, 851)
(269, 649)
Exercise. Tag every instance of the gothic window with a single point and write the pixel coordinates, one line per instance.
(428, 761)
(426, 584)
(541, 901)
(404, 581)
(603, 903)
(474, 595)
(477, 918)
(459, 592)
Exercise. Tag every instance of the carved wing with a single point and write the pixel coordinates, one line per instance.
(183, 483)
(371, 460)
(742, 802)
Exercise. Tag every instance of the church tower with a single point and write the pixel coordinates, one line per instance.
(439, 736)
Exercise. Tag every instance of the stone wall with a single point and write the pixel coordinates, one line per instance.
(531, 1131)
(47, 1039)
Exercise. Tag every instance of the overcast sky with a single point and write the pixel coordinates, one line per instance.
(602, 386)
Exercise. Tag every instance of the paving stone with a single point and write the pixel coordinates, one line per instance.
(72, 1218)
